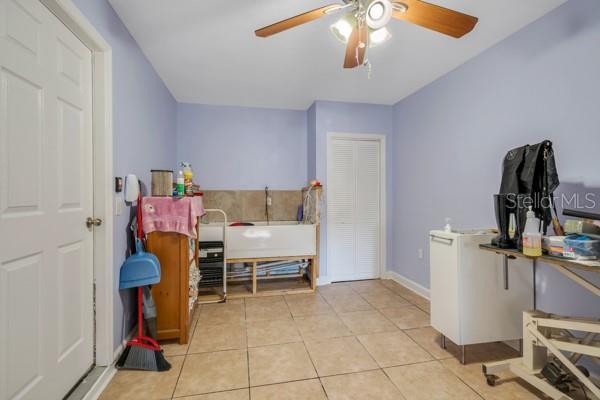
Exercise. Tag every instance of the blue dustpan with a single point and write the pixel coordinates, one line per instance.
(140, 269)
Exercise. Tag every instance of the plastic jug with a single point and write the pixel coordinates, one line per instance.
(532, 238)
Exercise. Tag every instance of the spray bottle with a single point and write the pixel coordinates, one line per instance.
(188, 176)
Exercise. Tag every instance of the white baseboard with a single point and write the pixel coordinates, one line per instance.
(408, 283)
(110, 371)
(121, 346)
(323, 280)
(101, 384)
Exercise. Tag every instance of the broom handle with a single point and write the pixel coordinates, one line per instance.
(140, 231)
(139, 292)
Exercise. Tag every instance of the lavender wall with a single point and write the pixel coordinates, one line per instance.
(144, 129)
(311, 142)
(351, 118)
(450, 137)
(243, 148)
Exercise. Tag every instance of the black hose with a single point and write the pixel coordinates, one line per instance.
(267, 203)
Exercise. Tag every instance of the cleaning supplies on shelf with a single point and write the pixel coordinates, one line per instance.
(532, 238)
(581, 247)
(554, 245)
(180, 185)
(188, 176)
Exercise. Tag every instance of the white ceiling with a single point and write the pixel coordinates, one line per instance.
(206, 51)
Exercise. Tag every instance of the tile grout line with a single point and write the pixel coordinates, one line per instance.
(247, 350)
(186, 352)
(450, 355)
(312, 362)
(461, 380)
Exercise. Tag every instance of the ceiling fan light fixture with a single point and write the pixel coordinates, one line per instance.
(342, 29)
(379, 36)
(379, 13)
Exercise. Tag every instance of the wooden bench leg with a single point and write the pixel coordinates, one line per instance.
(254, 278)
(313, 273)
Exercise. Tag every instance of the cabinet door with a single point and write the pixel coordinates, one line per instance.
(444, 285)
(172, 252)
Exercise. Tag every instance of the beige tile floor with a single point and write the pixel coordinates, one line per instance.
(367, 340)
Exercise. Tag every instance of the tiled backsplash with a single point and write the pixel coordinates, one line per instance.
(249, 205)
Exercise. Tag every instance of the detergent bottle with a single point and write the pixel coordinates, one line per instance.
(180, 184)
(188, 176)
(532, 238)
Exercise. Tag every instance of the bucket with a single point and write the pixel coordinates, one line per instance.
(162, 182)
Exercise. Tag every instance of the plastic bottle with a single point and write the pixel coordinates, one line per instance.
(180, 184)
(532, 238)
(448, 226)
(188, 176)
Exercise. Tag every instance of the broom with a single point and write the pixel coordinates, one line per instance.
(142, 352)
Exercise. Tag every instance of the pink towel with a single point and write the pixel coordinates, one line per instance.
(168, 214)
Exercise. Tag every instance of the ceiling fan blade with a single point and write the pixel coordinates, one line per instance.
(351, 47)
(363, 37)
(434, 17)
(297, 20)
(357, 46)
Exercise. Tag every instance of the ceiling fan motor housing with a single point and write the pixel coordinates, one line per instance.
(379, 13)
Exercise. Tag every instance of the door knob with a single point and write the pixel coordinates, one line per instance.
(90, 222)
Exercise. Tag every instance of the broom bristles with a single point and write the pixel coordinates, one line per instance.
(140, 358)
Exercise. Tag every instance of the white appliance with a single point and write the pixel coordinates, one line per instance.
(474, 299)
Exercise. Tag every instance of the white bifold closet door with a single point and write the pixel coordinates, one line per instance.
(354, 209)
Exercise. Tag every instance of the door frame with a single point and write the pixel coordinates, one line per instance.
(102, 137)
(373, 137)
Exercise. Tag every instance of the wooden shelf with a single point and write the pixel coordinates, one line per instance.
(255, 285)
(269, 287)
(562, 262)
(171, 295)
(313, 265)
(267, 259)
(569, 268)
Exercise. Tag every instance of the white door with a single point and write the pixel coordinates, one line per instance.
(354, 208)
(46, 270)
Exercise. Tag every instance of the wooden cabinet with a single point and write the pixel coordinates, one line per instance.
(171, 295)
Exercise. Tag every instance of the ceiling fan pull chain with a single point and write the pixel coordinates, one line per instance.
(369, 67)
